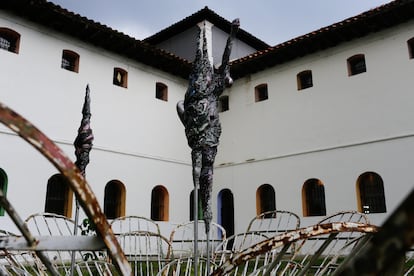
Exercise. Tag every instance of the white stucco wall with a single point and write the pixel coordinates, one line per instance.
(336, 130)
(133, 130)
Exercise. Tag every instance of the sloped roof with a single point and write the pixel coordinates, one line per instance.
(55, 17)
(374, 20)
(212, 17)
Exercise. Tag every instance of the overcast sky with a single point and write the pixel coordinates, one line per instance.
(273, 21)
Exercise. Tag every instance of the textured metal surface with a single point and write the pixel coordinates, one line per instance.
(53, 243)
(290, 237)
(28, 238)
(83, 142)
(385, 252)
(199, 115)
(80, 187)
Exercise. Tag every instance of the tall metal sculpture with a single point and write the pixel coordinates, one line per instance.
(83, 145)
(83, 142)
(199, 115)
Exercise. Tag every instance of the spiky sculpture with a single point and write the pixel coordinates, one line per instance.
(199, 115)
(83, 142)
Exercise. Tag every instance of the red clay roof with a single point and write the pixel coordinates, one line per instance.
(62, 20)
(374, 20)
(57, 18)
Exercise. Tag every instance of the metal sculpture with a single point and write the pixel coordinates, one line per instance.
(288, 238)
(77, 182)
(83, 142)
(83, 145)
(199, 115)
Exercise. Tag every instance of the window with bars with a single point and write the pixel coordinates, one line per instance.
(9, 40)
(159, 204)
(356, 65)
(114, 199)
(304, 79)
(58, 196)
(313, 198)
(70, 61)
(370, 191)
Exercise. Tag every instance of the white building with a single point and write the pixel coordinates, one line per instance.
(315, 125)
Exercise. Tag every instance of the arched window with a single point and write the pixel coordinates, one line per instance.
(356, 65)
(120, 77)
(161, 91)
(313, 198)
(410, 44)
(114, 199)
(370, 193)
(160, 201)
(9, 40)
(265, 199)
(200, 210)
(261, 92)
(304, 79)
(59, 196)
(70, 61)
(3, 187)
(225, 208)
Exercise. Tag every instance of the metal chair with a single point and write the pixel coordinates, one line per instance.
(235, 244)
(322, 254)
(95, 268)
(146, 251)
(274, 222)
(134, 223)
(185, 267)
(182, 239)
(49, 224)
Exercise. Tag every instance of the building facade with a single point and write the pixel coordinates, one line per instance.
(316, 125)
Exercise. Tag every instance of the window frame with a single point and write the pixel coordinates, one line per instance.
(12, 37)
(364, 199)
(265, 199)
(160, 203)
(261, 92)
(352, 64)
(223, 103)
(161, 91)
(310, 188)
(3, 187)
(73, 60)
(410, 46)
(302, 79)
(114, 199)
(124, 77)
(200, 206)
(58, 185)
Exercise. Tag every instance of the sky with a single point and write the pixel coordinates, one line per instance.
(273, 21)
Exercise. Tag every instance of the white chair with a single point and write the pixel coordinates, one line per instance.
(134, 223)
(146, 251)
(48, 224)
(182, 239)
(185, 267)
(274, 222)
